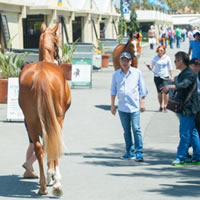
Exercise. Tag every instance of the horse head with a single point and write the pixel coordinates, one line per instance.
(49, 43)
(131, 45)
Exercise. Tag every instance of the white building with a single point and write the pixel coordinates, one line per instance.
(86, 20)
(158, 19)
(83, 19)
(186, 20)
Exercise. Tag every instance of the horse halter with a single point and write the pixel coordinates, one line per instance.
(131, 47)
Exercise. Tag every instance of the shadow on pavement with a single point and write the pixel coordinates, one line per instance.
(175, 190)
(113, 159)
(157, 165)
(16, 187)
(6, 121)
(107, 107)
(104, 107)
(110, 156)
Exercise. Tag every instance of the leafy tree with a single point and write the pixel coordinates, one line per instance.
(194, 5)
(175, 5)
(133, 25)
(122, 27)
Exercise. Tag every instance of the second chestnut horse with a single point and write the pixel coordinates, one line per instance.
(132, 47)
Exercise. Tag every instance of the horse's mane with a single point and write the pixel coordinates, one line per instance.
(49, 42)
(128, 42)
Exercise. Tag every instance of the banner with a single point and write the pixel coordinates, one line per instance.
(125, 7)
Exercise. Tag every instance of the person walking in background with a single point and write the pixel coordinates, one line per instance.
(128, 85)
(190, 35)
(152, 37)
(161, 66)
(139, 38)
(178, 37)
(171, 35)
(163, 40)
(183, 34)
(184, 83)
(163, 37)
(194, 46)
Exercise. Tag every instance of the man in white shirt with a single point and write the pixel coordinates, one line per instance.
(128, 85)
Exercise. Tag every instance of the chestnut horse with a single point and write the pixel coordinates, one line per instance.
(44, 97)
(132, 46)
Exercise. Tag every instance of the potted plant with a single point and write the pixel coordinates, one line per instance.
(10, 64)
(105, 56)
(119, 39)
(66, 59)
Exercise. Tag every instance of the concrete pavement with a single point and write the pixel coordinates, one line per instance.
(92, 170)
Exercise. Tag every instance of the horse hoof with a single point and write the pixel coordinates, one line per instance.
(42, 191)
(57, 191)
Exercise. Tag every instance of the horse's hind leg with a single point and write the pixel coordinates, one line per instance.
(50, 173)
(40, 155)
(57, 190)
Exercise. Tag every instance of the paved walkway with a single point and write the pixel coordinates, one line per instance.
(92, 170)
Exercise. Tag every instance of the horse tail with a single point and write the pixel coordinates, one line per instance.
(46, 108)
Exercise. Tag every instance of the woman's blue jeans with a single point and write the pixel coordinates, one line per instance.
(129, 120)
(188, 135)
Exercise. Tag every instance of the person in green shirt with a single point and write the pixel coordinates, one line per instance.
(178, 37)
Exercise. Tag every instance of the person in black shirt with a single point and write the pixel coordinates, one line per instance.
(183, 84)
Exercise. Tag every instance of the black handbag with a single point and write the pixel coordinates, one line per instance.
(176, 105)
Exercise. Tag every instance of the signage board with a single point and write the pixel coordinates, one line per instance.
(96, 61)
(14, 112)
(81, 72)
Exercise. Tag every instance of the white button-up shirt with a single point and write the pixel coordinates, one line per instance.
(161, 66)
(128, 88)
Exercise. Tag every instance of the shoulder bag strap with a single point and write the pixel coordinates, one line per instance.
(191, 92)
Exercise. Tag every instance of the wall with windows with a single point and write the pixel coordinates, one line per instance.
(158, 19)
